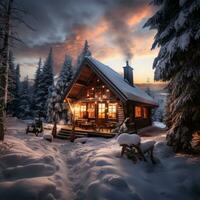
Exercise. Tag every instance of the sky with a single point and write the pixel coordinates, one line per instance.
(113, 28)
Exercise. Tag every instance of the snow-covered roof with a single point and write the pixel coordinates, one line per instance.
(130, 92)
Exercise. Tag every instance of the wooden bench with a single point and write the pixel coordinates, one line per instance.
(138, 152)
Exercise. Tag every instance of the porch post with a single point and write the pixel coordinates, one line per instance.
(130, 108)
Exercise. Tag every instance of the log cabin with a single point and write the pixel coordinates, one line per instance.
(100, 99)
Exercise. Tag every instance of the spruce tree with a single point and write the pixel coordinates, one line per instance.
(45, 84)
(178, 35)
(56, 109)
(65, 75)
(24, 104)
(85, 53)
(36, 89)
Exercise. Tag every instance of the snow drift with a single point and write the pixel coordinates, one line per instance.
(92, 169)
(31, 168)
(98, 172)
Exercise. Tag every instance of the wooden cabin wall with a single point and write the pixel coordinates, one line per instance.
(129, 110)
(140, 122)
(144, 122)
(120, 112)
(96, 92)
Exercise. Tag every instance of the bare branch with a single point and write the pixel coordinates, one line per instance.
(23, 22)
(16, 39)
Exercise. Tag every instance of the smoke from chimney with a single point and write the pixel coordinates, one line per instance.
(128, 74)
(122, 37)
(119, 29)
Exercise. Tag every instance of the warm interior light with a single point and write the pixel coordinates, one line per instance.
(76, 111)
(101, 110)
(112, 110)
(138, 111)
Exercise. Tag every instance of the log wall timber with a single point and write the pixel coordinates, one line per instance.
(120, 112)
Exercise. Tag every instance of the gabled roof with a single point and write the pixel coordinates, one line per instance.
(117, 82)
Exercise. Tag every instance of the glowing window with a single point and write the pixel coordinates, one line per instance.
(112, 110)
(83, 113)
(91, 110)
(101, 110)
(138, 111)
(145, 113)
(77, 111)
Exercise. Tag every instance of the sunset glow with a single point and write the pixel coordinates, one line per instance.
(103, 38)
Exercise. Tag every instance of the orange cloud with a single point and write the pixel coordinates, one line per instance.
(139, 15)
(99, 40)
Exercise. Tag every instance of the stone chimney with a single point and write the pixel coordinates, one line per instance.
(128, 74)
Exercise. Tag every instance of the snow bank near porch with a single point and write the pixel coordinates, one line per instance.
(159, 125)
(98, 172)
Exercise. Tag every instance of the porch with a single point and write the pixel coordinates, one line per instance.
(66, 132)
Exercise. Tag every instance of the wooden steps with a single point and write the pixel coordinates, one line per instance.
(66, 134)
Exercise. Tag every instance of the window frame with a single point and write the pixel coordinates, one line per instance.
(111, 107)
(89, 106)
(135, 110)
(83, 112)
(103, 111)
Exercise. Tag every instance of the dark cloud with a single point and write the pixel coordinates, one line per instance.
(65, 24)
(117, 14)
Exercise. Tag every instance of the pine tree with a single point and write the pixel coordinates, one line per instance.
(85, 52)
(24, 104)
(65, 75)
(56, 109)
(178, 35)
(45, 84)
(36, 89)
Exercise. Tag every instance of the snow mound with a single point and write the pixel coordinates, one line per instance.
(145, 146)
(159, 125)
(31, 168)
(48, 137)
(33, 189)
(26, 174)
(98, 172)
(48, 126)
(128, 139)
(81, 140)
(110, 187)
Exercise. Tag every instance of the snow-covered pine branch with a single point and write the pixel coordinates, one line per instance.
(178, 35)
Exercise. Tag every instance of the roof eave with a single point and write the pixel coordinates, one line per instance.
(121, 96)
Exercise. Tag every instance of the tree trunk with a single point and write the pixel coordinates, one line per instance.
(54, 131)
(180, 139)
(73, 136)
(4, 71)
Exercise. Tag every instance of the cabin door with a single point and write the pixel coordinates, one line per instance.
(101, 113)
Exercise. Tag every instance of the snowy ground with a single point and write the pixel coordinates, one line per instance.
(31, 168)
(35, 169)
